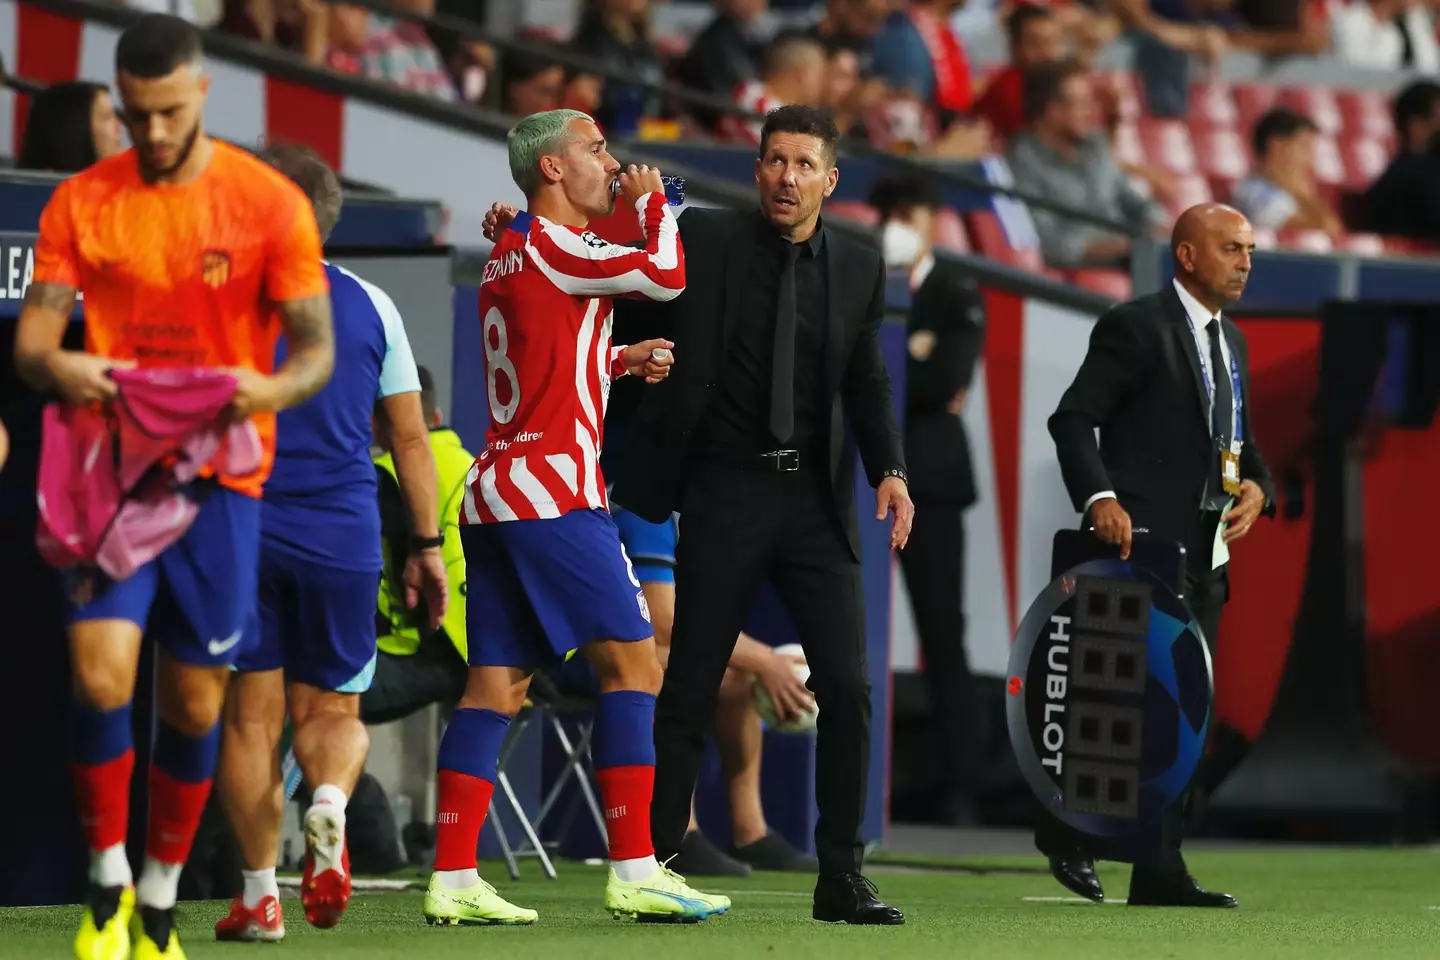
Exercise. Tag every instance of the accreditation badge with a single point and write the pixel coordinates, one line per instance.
(1230, 469)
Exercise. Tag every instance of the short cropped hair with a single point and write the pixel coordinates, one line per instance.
(1418, 101)
(1022, 15)
(1041, 86)
(536, 136)
(1280, 123)
(892, 194)
(816, 122)
(313, 176)
(157, 45)
(788, 49)
(427, 393)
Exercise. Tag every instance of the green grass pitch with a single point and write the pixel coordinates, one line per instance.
(1310, 904)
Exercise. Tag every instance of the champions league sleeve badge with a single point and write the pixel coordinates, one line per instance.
(1109, 698)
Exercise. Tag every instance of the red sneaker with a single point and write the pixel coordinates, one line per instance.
(265, 922)
(325, 888)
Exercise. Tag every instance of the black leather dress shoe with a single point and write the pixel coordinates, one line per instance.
(1173, 890)
(851, 898)
(1076, 873)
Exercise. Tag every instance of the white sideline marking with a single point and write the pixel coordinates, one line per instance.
(1073, 900)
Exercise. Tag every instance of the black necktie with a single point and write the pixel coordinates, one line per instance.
(782, 376)
(1222, 410)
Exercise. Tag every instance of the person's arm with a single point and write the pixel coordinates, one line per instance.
(1113, 366)
(587, 266)
(295, 281)
(1252, 462)
(865, 391)
(944, 350)
(40, 358)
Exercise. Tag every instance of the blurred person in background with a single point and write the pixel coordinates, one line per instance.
(927, 72)
(945, 336)
(300, 26)
(383, 48)
(1282, 193)
(728, 51)
(469, 62)
(843, 88)
(1064, 156)
(1385, 35)
(71, 125)
(1035, 38)
(617, 33)
(584, 91)
(529, 83)
(795, 73)
(1405, 200)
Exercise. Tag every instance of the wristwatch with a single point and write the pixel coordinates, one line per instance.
(898, 473)
(418, 544)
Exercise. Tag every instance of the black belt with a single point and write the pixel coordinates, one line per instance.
(772, 461)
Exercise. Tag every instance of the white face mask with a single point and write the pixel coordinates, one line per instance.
(901, 245)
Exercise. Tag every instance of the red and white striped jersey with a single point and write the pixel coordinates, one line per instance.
(754, 96)
(545, 312)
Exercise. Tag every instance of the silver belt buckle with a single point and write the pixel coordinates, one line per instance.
(786, 461)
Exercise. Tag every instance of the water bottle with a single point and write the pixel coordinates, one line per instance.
(674, 189)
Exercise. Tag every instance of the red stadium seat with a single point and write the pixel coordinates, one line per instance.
(1212, 105)
(1329, 167)
(990, 241)
(1365, 244)
(1189, 190)
(1111, 283)
(1365, 158)
(1311, 241)
(1317, 103)
(1167, 144)
(1223, 188)
(950, 232)
(1127, 146)
(1251, 100)
(856, 210)
(1221, 151)
(1365, 113)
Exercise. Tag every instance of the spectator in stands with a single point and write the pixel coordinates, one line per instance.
(71, 125)
(617, 32)
(469, 62)
(843, 89)
(1282, 193)
(728, 51)
(1385, 35)
(945, 334)
(1405, 200)
(794, 72)
(1034, 34)
(1064, 157)
(530, 83)
(300, 26)
(927, 77)
(384, 48)
(584, 91)
(856, 24)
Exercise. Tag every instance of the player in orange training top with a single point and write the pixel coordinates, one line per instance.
(190, 253)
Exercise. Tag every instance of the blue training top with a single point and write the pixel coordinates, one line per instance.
(320, 500)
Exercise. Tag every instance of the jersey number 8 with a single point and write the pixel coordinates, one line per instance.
(497, 362)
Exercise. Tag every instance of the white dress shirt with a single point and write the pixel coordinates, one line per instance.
(1200, 318)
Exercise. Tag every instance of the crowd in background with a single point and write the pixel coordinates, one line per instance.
(897, 73)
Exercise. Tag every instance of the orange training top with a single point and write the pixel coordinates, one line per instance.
(186, 275)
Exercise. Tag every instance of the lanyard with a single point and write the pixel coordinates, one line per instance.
(1237, 404)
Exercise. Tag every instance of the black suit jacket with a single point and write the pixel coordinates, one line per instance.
(949, 307)
(1142, 385)
(718, 246)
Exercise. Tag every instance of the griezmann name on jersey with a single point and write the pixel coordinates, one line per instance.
(545, 311)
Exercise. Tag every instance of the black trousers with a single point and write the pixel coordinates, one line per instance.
(1206, 594)
(934, 564)
(434, 673)
(738, 528)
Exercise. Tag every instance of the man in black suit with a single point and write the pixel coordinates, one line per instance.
(944, 336)
(1166, 380)
(777, 348)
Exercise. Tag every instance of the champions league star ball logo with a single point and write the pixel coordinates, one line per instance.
(1108, 698)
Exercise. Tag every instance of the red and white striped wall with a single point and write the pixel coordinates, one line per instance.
(414, 157)
(1032, 350)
